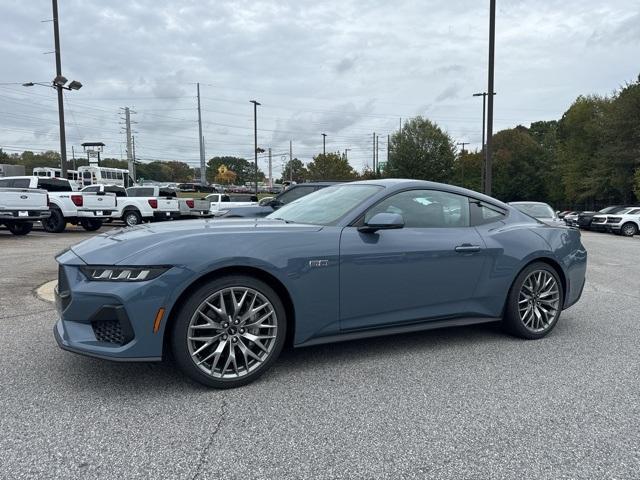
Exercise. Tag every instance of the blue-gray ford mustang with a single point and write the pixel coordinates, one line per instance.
(349, 261)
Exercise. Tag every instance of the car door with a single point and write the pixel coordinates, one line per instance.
(427, 270)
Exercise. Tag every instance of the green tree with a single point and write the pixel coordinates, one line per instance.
(580, 139)
(422, 150)
(467, 170)
(330, 166)
(294, 170)
(517, 164)
(636, 183)
(244, 169)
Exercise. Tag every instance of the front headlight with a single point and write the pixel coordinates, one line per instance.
(122, 274)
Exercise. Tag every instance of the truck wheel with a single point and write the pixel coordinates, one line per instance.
(132, 218)
(55, 223)
(91, 224)
(20, 228)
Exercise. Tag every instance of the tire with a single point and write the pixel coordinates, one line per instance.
(629, 229)
(20, 228)
(91, 224)
(131, 218)
(532, 312)
(217, 367)
(55, 223)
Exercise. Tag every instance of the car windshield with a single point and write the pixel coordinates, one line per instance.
(325, 206)
(536, 210)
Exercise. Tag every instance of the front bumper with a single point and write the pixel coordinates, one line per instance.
(112, 320)
(19, 215)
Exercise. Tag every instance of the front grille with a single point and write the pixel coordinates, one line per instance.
(613, 219)
(108, 331)
(599, 220)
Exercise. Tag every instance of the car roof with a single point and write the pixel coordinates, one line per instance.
(402, 183)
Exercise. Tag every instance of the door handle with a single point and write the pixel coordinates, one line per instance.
(467, 248)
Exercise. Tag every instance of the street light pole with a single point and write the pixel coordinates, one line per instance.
(58, 87)
(255, 142)
(203, 166)
(490, 90)
(324, 144)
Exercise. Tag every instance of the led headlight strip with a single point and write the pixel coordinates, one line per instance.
(122, 274)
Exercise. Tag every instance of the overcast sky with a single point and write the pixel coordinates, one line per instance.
(347, 68)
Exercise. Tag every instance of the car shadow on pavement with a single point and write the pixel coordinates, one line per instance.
(100, 377)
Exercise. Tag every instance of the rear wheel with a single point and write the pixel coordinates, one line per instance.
(91, 224)
(20, 228)
(629, 229)
(535, 302)
(132, 218)
(229, 332)
(55, 223)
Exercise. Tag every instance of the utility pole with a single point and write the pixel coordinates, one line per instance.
(127, 120)
(490, 90)
(388, 147)
(377, 161)
(346, 151)
(374, 152)
(255, 143)
(203, 167)
(290, 161)
(270, 180)
(73, 156)
(461, 159)
(324, 144)
(58, 87)
(133, 154)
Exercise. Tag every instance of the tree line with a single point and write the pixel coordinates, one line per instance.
(588, 158)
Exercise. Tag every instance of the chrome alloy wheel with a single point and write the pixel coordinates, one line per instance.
(232, 332)
(539, 301)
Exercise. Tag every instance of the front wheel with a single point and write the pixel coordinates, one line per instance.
(91, 224)
(534, 302)
(629, 229)
(20, 228)
(229, 332)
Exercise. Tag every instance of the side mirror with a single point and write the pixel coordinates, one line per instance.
(382, 221)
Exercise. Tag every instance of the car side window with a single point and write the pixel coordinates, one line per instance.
(425, 209)
(5, 183)
(91, 189)
(483, 213)
(294, 194)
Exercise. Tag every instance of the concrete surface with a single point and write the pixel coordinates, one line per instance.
(455, 403)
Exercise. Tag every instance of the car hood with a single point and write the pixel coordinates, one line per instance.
(116, 246)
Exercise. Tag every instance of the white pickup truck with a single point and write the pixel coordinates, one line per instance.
(67, 205)
(188, 207)
(222, 202)
(20, 207)
(133, 210)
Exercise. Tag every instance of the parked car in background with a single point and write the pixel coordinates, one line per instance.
(221, 203)
(66, 205)
(134, 210)
(571, 219)
(540, 211)
(20, 207)
(153, 203)
(269, 206)
(585, 218)
(625, 222)
(354, 260)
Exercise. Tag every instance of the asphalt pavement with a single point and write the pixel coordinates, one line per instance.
(459, 403)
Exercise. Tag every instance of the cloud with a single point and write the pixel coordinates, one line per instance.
(450, 92)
